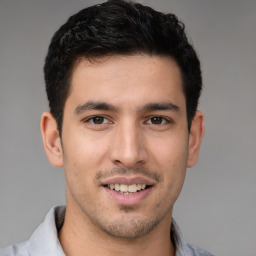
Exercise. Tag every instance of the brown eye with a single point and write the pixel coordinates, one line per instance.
(156, 120)
(97, 120)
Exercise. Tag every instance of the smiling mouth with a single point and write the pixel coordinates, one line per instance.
(127, 189)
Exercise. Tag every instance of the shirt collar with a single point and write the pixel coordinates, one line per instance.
(44, 241)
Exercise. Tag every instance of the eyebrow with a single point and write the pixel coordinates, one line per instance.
(160, 106)
(92, 105)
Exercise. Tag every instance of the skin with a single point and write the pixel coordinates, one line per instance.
(127, 139)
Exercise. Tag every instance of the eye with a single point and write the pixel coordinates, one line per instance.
(157, 120)
(97, 120)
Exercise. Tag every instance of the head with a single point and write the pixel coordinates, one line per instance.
(123, 85)
(118, 28)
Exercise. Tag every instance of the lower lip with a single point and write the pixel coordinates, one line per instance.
(131, 199)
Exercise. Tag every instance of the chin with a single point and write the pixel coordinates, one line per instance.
(128, 228)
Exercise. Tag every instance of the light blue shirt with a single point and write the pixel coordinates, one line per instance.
(44, 241)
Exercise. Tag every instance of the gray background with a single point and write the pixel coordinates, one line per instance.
(217, 207)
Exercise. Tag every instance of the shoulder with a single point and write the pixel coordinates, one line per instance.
(19, 249)
(183, 248)
(196, 251)
(44, 241)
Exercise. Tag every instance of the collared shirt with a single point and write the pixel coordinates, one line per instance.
(44, 241)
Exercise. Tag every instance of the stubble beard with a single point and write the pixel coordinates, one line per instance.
(128, 224)
(127, 227)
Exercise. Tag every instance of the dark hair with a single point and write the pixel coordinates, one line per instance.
(118, 27)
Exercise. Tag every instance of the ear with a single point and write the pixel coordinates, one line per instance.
(195, 138)
(51, 139)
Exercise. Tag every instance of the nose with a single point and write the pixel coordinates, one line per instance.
(128, 148)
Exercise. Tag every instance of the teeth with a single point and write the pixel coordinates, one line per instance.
(126, 189)
(132, 188)
(117, 187)
(123, 188)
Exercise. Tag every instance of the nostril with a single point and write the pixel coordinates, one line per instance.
(117, 161)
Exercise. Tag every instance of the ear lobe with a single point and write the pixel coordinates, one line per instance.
(195, 138)
(51, 139)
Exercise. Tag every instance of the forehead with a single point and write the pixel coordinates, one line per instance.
(133, 80)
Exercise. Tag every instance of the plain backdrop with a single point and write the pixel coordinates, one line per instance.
(217, 207)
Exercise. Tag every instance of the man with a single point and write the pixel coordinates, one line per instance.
(123, 85)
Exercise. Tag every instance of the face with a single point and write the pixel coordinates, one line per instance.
(125, 143)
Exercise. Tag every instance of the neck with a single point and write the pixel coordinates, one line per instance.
(81, 237)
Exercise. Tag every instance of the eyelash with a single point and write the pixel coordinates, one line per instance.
(163, 120)
(90, 120)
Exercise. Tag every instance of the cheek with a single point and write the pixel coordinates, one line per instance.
(84, 151)
(171, 152)
(80, 164)
(170, 159)
(83, 158)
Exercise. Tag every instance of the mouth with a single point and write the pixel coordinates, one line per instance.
(127, 189)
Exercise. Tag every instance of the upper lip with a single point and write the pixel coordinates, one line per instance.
(128, 180)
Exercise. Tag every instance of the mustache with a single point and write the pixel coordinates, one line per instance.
(124, 171)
